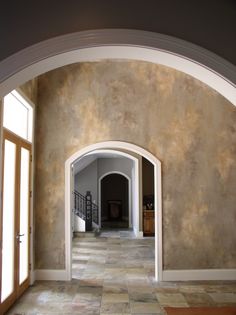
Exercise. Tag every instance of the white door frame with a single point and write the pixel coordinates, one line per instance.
(100, 197)
(117, 145)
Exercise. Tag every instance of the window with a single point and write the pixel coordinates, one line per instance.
(18, 115)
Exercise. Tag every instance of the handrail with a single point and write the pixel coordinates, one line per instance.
(95, 213)
(80, 207)
(78, 194)
(79, 204)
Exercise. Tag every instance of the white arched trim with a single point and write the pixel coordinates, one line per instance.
(100, 196)
(118, 146)
(94, 45)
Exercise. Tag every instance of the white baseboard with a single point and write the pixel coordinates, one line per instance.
(94, 225)
(47, 274)
(138, 234)
(202, 274)
(168, 275)
(32, 277)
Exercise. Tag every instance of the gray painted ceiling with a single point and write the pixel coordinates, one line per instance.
(210, 24)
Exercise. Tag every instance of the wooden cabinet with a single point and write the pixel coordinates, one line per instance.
(148, 223)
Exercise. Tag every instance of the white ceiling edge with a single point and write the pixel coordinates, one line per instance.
(82, 163)
(96, 45)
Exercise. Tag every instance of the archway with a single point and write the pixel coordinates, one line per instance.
(136, 188)
(117, 210)
(118, 44)
(123, 44)
(120, 146)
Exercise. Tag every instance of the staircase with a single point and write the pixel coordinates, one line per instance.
(86, 209)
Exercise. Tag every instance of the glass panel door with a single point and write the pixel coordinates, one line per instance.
(24, 215)
(14, 219)
(8, 220)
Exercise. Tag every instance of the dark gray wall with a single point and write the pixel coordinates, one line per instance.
(148, 177)
(210, 24)
(87, 180)
(123, 165)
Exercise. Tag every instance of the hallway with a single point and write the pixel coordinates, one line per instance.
(113, 274)
(115, 255)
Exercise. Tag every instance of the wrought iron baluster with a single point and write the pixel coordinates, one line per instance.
(80, 207)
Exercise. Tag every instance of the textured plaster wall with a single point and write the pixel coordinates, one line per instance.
(30, 89)
(187, 125)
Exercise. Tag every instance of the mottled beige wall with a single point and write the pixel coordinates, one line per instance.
(184, 123)
(30, 89)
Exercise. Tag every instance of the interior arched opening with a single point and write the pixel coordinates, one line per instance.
(136, 154)
(20, 77)
(114, 201)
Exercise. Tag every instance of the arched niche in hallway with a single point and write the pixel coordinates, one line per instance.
(115, 200)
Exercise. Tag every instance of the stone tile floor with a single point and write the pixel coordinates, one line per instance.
(113, 273)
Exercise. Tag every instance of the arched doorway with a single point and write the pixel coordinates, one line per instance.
(118, 44)
(114, 201)
(131, 199)
(128, 148)
(130, 171)
(157, 48)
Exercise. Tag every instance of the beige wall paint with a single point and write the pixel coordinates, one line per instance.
(184, 123)
(30, 89)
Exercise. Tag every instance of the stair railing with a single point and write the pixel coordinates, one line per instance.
(95, 213)
(80, 207)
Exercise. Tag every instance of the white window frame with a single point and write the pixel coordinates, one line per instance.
(25, 102)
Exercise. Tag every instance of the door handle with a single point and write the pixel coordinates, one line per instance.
(18, 237)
